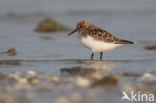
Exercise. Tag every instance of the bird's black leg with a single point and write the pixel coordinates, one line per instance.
(101, 53)
(92, 55)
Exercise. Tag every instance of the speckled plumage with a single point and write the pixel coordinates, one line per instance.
(100, 34)
(97, 39)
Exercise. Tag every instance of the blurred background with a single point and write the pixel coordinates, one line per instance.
(32, 53)
(55, 6)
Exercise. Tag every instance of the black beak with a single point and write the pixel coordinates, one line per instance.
(73, 32)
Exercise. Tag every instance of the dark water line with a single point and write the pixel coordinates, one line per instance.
(77, 61)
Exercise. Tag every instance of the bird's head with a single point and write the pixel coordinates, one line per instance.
(82, 25)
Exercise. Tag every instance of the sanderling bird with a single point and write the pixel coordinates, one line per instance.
(97, 39)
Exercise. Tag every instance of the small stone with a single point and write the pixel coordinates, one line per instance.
(80, 81)
(22, 81)
(109, 81)
(53, 78)
(50, 25)
(14, 76)
(96, 75)
(125, 73)
(150, 47)
(147, 77)
(12, 52)
(34, 81)
(30, 74)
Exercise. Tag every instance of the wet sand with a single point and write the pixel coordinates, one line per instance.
(74, 80)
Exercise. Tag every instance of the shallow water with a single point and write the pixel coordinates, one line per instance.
(48, 56)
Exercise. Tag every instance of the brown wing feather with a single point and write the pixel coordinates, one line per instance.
(103, 35)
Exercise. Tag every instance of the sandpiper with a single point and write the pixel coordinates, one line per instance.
(97, 39)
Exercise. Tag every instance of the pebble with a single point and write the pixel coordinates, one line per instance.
(22, 80)
(147, 77)
(50, 25)
(108, 80)
(12, 52)
(96, 75)
(150, 47)
(53, 78)
(30, 74)
(14, 76)
(80, 81)
(34, 81)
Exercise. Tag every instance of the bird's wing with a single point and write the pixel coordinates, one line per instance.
(102, 35)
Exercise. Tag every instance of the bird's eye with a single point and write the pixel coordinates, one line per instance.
(81, 26)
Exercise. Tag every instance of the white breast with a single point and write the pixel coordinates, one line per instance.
(97, 46)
